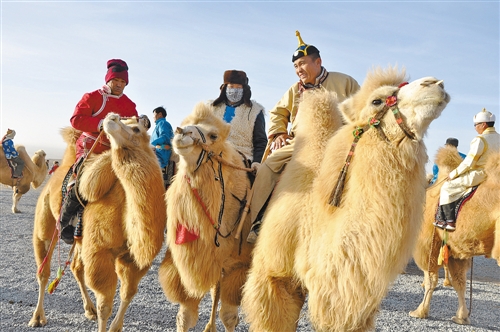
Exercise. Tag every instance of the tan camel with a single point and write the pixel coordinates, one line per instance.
(477, 226)
(34, 173)
(123, 222)
(190, 269)
(344, 257)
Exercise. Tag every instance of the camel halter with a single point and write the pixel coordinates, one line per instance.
(391, 103)
(205, 151)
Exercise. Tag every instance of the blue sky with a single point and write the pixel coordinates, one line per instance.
(52, 52)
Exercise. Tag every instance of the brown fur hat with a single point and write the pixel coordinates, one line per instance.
(235, 77)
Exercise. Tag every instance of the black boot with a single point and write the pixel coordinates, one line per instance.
(448, 211)
(67, 234)
(70, 207)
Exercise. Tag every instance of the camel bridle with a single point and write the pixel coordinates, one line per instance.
(391, 103)
(209, 154)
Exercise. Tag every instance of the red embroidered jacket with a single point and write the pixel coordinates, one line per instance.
(89, 114)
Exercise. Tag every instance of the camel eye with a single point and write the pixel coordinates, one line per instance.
(213, 137)
(136, 130)
(377, 102)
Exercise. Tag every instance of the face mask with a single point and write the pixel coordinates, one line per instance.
(234, 95)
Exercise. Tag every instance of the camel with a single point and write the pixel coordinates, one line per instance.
(34, 173)
(476, 234)
(123, 221)
(343, 251)
(211, 258)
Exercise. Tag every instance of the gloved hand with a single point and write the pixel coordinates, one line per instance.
(255, 167)
(145, 121)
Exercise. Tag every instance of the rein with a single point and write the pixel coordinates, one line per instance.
(205, 209)
(374, 122)
(205, 151)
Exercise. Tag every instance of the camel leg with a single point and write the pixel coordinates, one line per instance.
(79, 273)
(458, 270)
(170, 282)
(130, 276)
(272, 303)
(15, 199)
(446, 281)
(215, 294)
(234, 277)
(42, 250)
(430, 281)
(102, 279)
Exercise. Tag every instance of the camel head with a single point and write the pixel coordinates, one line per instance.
(126, 132)
(386, 94)
(201, 129)
(39, 158)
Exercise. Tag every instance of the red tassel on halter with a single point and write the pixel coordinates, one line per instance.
(183, 235)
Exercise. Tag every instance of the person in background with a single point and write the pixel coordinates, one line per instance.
(435, 169)
(14, 161)
(470, 172)
(161, 142)
(248, 125)
(88, 117)
(312, 75)
(55, 165)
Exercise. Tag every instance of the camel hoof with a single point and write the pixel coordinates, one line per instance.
(14, 210)
(446, 283)
(91, 315)
(210, 328)
(461, 321)
(37, 322)
(417, 314)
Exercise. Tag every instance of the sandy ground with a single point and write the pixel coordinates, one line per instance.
(150, 310)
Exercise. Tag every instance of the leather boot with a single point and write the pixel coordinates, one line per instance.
(448, 211)
(70, 207)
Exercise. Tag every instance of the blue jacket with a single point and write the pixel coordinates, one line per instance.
(162, 135)
(9, 150)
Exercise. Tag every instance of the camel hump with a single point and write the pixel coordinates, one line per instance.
(447, 158)
(70, 135)
(318, 115)
(492, 168)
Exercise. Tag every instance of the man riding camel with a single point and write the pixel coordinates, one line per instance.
(15, 162)
(88, 117)
(470, 172)
(312, 75)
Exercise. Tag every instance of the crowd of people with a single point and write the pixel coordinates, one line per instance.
(267, 153)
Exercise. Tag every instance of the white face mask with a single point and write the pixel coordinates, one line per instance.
(234, 95)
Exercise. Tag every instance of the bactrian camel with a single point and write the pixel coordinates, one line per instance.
(34, 173)
(477, 232)
(344, 249)
(204, 204)
(123, 221)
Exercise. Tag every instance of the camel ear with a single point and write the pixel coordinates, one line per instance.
(348, 111)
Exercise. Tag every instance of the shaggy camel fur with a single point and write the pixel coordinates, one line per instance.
(189, 270)
(35, 171)
(344, 257)
(123, 222)
(477, 226)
